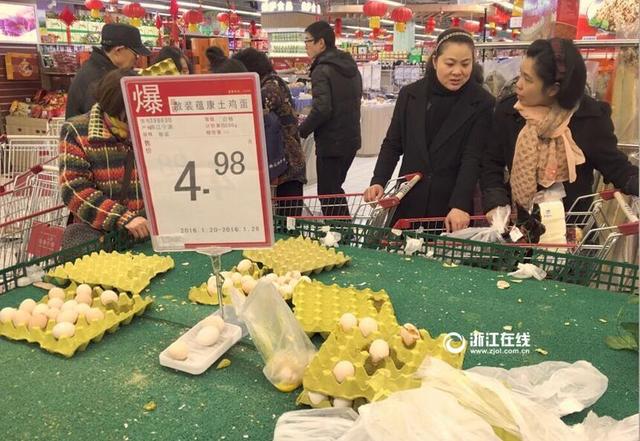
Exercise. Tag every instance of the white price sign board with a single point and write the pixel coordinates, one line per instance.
(200, 150)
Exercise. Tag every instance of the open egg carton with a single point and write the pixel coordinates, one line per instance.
(120, 309)
(122, 271)
(326, 383)
(318, 307)
(163, 67)
(298, 254)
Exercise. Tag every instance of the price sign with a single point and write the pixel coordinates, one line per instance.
(200, 150)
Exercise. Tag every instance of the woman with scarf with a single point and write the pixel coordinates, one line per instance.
(551, 136)
(98, 178)
(440, 125)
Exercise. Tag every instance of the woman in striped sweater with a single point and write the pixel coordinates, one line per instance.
(98, 177)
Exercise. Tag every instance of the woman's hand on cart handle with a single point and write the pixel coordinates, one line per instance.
(373, 193)
(138, 227)
(457, 220)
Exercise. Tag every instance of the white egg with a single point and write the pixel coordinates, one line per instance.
(378, 350)
(343, 370)
(84, 290)
(21, 318)
(52, 313)
(41, 308)
(69, 305)
(84, 298)
(316, 397)
(227, 285)
(67, 316)
(214, 320)
(248, 285)
(286, 291)
(55, 303)
(295, 274)
(282, 280)
(56, 293)
(6, 314)
(64, 330)
(27, 305)
(212, 287)
(409, 334)
(342, 402)
(271, 277)
(38, 321)
(94, 314)
(236, 278)
(108, 296)
(82, 308)
(178, 350)
(367, 325)
(244, 265)
(348, 321)
(246, 278)
(305, 279)
(208, 335)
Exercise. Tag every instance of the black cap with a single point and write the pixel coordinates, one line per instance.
(120, 34)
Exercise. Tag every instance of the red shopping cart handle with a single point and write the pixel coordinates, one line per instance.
(410, 176)
(389, 202)
(629, 229)
(607, 195)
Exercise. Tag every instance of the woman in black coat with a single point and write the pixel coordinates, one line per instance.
(553, 76)
(439, 126)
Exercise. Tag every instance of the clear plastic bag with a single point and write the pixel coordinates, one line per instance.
(527, 270)
(278, 336)
(314, 424)
(560, 387)
(499, 222)
(595, 428)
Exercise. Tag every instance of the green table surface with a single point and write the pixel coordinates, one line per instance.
(99, 394)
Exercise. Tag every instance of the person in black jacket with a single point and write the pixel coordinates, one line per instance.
(440, 124)
(121, 46)
(550, 132)
(335, 115)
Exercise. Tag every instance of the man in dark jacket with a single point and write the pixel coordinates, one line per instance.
(335, 116)
(121, 46)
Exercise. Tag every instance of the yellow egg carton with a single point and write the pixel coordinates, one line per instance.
(318, 307)
(200, 294)
(164, 67)
(371, 381)
(122, 271)
(298, 254)
(120, 313)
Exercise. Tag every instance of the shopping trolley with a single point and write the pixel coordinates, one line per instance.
(19, 153)
(348, 207)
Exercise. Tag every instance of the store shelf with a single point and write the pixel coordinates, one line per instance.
(285, 55)
(297, 43)
(60, 74)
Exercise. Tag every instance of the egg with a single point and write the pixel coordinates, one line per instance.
(244, 265)
(271, 277)
(21, 318)
(286, 291)
(502, 284)
(82, 308)
(69, 305)
(342, 370)
(409, 334)
(27, 305)
(282, 280)
(207, 335)
(305, 279)
(52, 313)
(84, 298)
(83, 290)
(236, 278)
(227, 285)
(295, 274)
(367, 325)
(94, 314)
(348, 321)
(38, 321)
(67, 316)
(378, 350)
(249, 285)
(341, 402)
(41, 308)
(108, 296)
(178, 351)
(55, 303)
(316, 397)
(214, 320)
(64, 330)
(6, 314)
(56, 293)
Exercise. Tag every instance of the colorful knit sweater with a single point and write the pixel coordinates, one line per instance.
(93, 152)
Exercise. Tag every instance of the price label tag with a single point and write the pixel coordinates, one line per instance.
(200, 151)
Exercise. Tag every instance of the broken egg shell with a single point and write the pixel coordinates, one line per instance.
(343, 370)
(502, 284)
(409, 334)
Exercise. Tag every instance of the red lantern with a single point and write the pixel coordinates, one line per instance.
(67, 17)
(192, 19)
(94, 6)
(358, 34)
(135, 12)
(234, 21)
(223, 19)
(430, 25)
(338, 28)
(471, 26)
(253, 28)
(401, 16)
(455, 22)
(374, 10)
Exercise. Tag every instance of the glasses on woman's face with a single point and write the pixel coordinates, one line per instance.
(135, 54)
(309, 40)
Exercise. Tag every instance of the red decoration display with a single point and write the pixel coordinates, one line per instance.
(430, 25)
(338, 27)
(135, 12)
(223, 19)
(455, 22)
(67, 17)
(401, 16)
(253, 28)
(375, 11)
(94, 6)
(192, 19)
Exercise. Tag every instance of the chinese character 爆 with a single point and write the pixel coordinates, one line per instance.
(148, 98)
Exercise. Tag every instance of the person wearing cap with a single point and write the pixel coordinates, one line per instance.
(121, 46)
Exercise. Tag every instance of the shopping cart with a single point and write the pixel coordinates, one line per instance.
(19, 153)
(348, 207)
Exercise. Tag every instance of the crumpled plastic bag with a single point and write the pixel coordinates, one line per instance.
(419, 414)
(560, 387)
(412, 245)
(527, 270)
(314, 424)
(331, 239)
(595, 428)
(494, 233)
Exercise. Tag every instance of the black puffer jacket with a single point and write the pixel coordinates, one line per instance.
(81, 93)
(335, 117)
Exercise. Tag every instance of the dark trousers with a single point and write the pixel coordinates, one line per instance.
(332, 172)
(290, 207)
